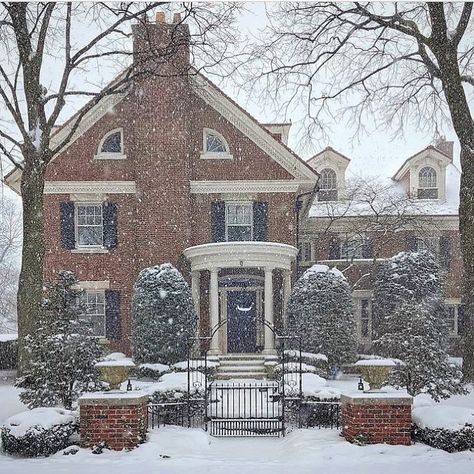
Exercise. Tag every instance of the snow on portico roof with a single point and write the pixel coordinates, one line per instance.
(380, 171)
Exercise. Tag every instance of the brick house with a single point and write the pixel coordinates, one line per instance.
(367, 211)
(175, 171)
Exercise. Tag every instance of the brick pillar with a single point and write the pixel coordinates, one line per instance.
(119, 419)
(376, 418)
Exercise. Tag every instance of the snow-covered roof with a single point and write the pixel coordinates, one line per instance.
(378, 172)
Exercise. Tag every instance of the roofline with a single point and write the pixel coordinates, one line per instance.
(329, 148)
(401, 171)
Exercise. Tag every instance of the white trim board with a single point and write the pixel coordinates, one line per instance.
(89, 187)
(245, 186)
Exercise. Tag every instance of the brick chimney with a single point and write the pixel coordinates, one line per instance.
(161, 45)
(446, 147)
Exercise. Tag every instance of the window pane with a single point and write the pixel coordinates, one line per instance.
(428, 193)
(352, 248)
(452, 319)
(112, 144)
(89, 225)
(327, 195)
(239, 233)
(95, 308)
(214, 144)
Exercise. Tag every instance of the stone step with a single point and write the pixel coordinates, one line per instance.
(227, 362)
(241, 375)
(240, 368)
(241, 357)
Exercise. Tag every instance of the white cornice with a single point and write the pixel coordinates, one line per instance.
(247, 186)
(251, 129)
(87, 187)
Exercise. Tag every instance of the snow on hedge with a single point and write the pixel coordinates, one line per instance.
(157, 367)
(443, 417)
(314, 386)
(195, 364)
(37, 419)
(375, 362)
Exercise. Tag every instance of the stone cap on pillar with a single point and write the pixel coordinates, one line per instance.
(134, 397)
(377, 398)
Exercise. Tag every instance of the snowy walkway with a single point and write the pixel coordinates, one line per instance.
(301, 452)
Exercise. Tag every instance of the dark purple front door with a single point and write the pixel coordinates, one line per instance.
(241, 321)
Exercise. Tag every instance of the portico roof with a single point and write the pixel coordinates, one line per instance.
(270, 255)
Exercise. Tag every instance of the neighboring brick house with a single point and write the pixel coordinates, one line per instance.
(369, 210)
(175, 171)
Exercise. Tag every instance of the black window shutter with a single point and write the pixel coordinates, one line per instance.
(218, 221)
(411, 245)
(462, 322)
(260, 221)
(109, 215)
(334, 249)
(368, 249)
(113, 327)
(445, 252)
(66, 218)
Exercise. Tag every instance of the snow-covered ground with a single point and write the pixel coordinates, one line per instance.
(179, 450)
(173, 450)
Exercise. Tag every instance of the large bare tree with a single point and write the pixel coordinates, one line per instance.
(53, 53)
(400, 65)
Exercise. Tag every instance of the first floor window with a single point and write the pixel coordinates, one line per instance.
(305, 251)
(453, 319)
(239, 221)
(363, 307)
(94, 302)
(352, 248)
(427, 244)
(89, 226)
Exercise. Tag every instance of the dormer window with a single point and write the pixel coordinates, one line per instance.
(327, 185)
(215, 146)
(427, 183)
(111, 146)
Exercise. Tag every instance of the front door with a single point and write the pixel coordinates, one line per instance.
(241, 321)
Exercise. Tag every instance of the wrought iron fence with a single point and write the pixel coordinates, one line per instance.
(320, 414)
(189, 413)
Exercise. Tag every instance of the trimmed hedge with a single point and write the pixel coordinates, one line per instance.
(448, 440)
(39, 441)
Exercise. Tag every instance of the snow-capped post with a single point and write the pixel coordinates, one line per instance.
(116, 418)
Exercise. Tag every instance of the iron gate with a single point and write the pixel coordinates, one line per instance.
(245, 409)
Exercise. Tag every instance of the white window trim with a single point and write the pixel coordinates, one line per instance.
(360, 247)
(428, 187)
(357, 297)
(107, 155)
(87, 248)
(207, 155)
(240, 203)
(330, 189)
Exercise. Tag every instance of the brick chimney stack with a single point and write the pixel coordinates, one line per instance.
(444, 146)
(161, 45)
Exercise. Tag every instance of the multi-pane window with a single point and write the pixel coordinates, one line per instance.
(352, 248)
(427, 244)
(94, 302)
(112, 143)
(327, 185)
(239, 221)
(453, 319)
(215, 144)
(89, 225)
(427, 183)
(365, 319)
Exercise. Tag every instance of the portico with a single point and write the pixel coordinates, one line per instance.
(239, 302)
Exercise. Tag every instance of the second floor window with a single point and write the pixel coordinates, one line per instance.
(94, 302)
(428, 244)
(239, 221)
(328, 185)
(89, 226)
(427, 183)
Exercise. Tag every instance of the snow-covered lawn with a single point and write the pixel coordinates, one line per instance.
(180, 450)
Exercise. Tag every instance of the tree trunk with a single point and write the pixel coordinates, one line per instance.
(30, 289)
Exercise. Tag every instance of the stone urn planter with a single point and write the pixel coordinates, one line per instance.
(375, 371)
(115, 372)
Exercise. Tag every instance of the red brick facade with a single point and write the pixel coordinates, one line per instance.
(120, 424)
(376, 421)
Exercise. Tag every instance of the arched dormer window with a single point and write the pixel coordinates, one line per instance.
(427, 183)
(327, 185)
(111, 146)
(214, 146)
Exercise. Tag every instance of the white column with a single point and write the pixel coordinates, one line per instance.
(214, 310)
(268, 312)
(196, 291)
(286, 295)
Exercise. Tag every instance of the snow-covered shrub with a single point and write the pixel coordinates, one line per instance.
(163, 316)
(39, 432)
(444, 427)
(151, 371)
(320, 312)
(410, 320)
(62, 351)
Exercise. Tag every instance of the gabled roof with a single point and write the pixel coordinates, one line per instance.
(217, 99)
(430, 148)
(331, 149)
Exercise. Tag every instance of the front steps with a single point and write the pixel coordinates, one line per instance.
(241, 366)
